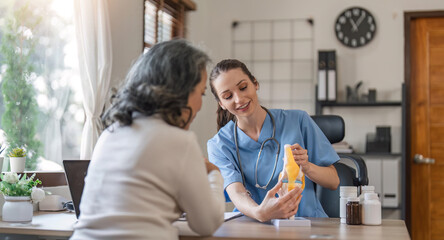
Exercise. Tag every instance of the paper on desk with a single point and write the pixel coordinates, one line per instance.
(296, 222)
(227, 216)
(231, 215)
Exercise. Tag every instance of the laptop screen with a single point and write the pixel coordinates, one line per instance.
(75, 171)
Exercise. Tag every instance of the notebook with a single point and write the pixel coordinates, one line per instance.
(75, 171)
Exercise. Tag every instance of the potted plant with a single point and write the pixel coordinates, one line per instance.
(17, 160)
(20, 193)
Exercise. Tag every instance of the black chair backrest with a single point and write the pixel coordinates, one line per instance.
(333, 127)
(329, 199)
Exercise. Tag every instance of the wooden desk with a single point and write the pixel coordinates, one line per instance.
(321, 228)
(60, 224)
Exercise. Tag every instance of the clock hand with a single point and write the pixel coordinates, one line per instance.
(361, 18)
(354, 26)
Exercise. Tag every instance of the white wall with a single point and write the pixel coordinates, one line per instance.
(379, 65)
(126, 20)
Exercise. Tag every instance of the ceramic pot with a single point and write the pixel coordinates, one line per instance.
(17, 209)
(17, 164)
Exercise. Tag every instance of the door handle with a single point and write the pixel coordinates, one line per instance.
(419, 159)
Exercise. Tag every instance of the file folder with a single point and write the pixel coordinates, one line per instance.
(322, 76)
(331, 76)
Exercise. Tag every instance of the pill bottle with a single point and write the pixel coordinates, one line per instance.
(353, 211)
(371, 210)
(364, 190)
(344, 193)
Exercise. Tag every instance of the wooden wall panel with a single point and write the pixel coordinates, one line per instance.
(437, 113)
(436, 38)
(437, 153)
(436, 75)
(437, 133)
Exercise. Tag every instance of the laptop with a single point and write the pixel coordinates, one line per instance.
(75, 171)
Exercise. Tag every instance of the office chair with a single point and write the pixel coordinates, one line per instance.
(334, 129)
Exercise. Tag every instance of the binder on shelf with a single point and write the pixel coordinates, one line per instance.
(322, 76)
(331, 76)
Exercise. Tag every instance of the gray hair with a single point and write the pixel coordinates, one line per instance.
(160, 82)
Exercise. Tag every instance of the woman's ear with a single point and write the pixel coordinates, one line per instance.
(256, 84)
(221, 106)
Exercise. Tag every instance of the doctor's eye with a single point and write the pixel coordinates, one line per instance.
(227, 96)
(243, 87)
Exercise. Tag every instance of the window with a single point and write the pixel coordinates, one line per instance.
(164, 20)
(41, 102)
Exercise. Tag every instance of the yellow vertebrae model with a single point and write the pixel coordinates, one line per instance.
(291, 174)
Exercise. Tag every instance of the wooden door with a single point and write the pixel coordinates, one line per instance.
(426, 126)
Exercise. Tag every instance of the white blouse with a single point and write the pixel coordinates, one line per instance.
(141, 178)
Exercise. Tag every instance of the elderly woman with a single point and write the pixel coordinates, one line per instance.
(147, 168)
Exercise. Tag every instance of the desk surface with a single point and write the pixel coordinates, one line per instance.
(321, 228)
(60, 224)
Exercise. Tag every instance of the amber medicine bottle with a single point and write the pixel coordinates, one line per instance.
(353, 211)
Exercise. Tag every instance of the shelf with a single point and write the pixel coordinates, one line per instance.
(274, 40)
(359, 104)
(391, 208)
(379, 154)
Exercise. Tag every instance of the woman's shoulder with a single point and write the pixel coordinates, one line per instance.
(290, 114)
(154, 127)
(224, 134)
(159, 126)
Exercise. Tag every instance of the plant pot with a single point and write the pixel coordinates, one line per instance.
(17, 164)
(17, 209)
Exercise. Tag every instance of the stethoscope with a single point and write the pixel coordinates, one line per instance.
(259, 155)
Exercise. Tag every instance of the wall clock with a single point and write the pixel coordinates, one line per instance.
(355, 27)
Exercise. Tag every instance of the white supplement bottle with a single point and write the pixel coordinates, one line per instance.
(371, 209)
(344, 193)
(364, 190)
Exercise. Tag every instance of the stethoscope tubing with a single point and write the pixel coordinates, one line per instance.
(259, 155)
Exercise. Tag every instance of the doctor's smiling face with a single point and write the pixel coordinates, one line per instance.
(236, 92)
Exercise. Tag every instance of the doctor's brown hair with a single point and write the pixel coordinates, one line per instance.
(224, 116)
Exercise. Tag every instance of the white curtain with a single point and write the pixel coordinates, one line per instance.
(95, 62)
(53, 134)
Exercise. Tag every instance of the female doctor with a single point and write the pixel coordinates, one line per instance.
(248, 149)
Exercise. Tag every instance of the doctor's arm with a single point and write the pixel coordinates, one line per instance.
(324, 176)
(270, 208)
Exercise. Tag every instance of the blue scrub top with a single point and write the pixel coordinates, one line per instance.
(292, 126)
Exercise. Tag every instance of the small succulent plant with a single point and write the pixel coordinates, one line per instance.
(17, 152)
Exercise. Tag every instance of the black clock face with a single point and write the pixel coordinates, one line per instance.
(355, 27)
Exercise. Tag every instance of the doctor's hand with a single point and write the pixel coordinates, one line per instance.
(301, 157)
(285, 206)
(210, 167)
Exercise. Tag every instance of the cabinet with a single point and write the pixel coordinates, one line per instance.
(382, 105)
(386, 170)
(321, 104)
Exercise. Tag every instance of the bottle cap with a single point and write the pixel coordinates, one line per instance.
(367, 188)
(352, 199)
(371, 196)
(346, 190)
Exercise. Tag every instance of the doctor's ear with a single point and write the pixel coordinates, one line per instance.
(256, 84)
(221, 106)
